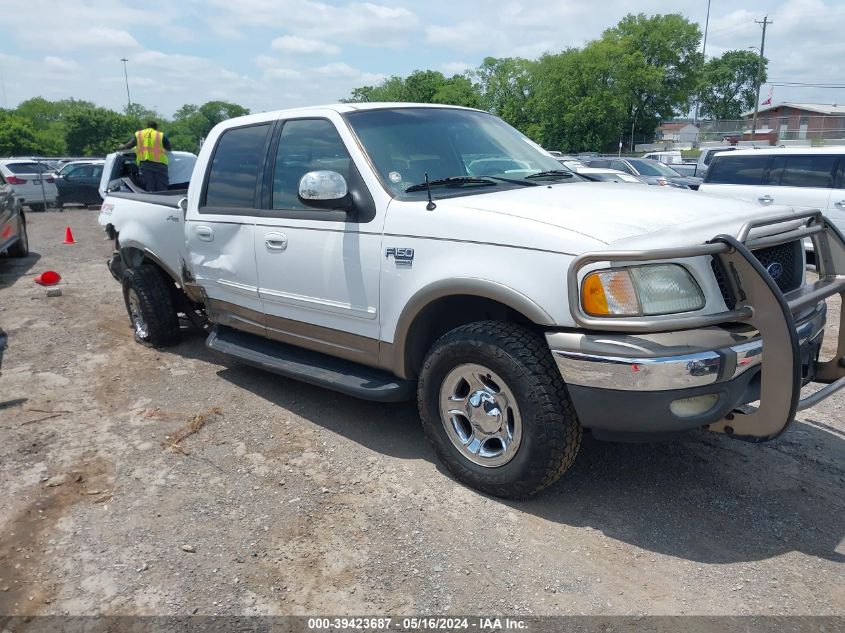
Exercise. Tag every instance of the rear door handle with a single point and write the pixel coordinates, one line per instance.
(767, 199)
(204, 233)
(276, 241)
(840, 204)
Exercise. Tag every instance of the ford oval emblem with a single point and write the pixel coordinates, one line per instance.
(775, 270)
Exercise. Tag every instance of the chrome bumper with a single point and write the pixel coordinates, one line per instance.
(714, 356)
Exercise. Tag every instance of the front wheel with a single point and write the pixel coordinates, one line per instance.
(496, 411)
(150, 306)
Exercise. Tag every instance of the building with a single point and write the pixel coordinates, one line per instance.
(677, 132)
(788, 121)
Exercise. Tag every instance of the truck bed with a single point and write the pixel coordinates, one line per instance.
(162, 198)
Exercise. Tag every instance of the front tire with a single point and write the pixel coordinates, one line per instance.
(496, 411)
(149, 304)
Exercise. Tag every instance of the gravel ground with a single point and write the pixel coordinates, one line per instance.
(140, 481)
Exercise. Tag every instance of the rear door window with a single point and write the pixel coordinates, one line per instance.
(737, 170)
(26, 168)
(618, 164)
(234, 170)
(809, 171)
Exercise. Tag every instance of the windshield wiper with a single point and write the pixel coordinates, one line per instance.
(514, 181)
(552, 173)
(451, 180)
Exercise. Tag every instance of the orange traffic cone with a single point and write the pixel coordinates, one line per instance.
(69, 237)
(48, 278)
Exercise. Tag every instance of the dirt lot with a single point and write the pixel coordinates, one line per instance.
(174, 482)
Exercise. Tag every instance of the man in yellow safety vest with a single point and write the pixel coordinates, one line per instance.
(151, 147)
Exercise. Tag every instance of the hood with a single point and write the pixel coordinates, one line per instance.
(609, 213)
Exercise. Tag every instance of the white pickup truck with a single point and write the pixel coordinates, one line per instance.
(392, 250)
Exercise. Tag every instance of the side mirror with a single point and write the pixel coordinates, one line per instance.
(183, 205)
(324, 190)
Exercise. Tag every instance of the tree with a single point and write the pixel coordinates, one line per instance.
(17, 135)
(96, 131)
(505, 86)
(728, 85)
(192, 123)
(658, 66)
(576, 101)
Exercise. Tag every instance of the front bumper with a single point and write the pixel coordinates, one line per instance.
(616, 389)
(663, 374)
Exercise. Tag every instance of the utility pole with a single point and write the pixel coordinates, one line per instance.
(704, 59)
(764, 23)
(126, 76)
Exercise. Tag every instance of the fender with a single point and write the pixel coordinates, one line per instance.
(393, 355)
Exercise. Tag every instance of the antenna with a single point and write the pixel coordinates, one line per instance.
(430, 206)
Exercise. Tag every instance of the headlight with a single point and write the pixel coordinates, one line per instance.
(640, 291)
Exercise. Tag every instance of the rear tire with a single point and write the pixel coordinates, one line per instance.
(496, 411)
(149, 304)
(21, 247)
(36, 207)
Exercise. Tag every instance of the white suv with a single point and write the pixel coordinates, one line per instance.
(798, 177)
(33, 182)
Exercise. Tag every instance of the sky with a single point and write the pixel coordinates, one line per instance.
(275, 54)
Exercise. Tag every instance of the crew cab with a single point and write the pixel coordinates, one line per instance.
(393, 251)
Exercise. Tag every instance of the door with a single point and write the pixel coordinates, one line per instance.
(739, 177)
(799, 180)
(219, 228)
(318, 270)
(8, 222)
(79, 185)
(836, 203)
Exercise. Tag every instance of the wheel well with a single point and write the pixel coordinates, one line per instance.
(445, 314)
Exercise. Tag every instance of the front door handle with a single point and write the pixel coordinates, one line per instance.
(276, 241)
(767, 199)
(204, 233)
(840, 204)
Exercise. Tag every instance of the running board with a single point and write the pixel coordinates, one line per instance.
(314, 368)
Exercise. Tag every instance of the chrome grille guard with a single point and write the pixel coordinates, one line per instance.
(760, 303)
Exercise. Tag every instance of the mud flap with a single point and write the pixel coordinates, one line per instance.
(780, 388)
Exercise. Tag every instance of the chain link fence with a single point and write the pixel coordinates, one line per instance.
(811, 130)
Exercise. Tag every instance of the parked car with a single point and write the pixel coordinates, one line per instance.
(348, 247)
(79, 183)
(599, 174)
(33, 182)
(801, 177)
(674, 159)
(706, 156)
(570, 163)
(13, 236)
(651, 171)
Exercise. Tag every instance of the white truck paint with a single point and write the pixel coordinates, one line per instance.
(494, 264)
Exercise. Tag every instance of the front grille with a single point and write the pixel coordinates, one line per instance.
(783, 262)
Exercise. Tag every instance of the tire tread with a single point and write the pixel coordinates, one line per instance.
(559, 429)
(156, 305)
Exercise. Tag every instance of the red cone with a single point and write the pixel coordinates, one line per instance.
(48, 278)
(69, 237)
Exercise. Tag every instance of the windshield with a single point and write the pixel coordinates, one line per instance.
(653, 168)
(405, 144)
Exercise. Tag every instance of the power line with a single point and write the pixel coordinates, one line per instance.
(803, 84)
